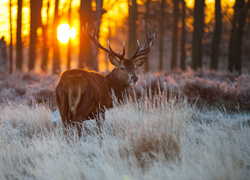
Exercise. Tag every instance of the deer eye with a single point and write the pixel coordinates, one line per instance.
(122, 68)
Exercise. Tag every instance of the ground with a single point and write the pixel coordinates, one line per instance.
(181, 125)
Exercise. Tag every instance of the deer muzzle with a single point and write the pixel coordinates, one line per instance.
(133, 80)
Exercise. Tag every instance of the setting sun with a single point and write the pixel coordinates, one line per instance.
(64, 33)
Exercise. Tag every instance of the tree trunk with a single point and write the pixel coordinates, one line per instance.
(11, 44)
(19, 45)
(236, 35)
(175, 34)
(132, 27)
(56, 61)
(232, 40)
(147, 17)
(69, 43)
(99, 13)
(35, 22)
(239, 33)
(161, 35)
(215, 46)
(183, 36)
(198, 34)
(86, 57)
(3, 55)
(45, 41)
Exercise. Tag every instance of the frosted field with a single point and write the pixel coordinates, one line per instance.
(152, 139)
(164, 135)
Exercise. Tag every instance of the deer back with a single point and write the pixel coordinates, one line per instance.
(76, 84)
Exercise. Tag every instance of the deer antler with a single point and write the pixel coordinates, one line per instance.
(147, 45)
(110, 50)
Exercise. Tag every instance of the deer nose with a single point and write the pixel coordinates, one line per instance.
(134, 78)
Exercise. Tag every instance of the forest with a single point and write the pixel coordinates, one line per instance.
(48, 35)
(187, 117)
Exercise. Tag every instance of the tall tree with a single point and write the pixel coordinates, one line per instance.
(19, 45)
(161, 35)
(243, 8)
(86, 57)
(132, 26)
(99, 13)
(232, 39)
(147, 18)
(215, 46)
(56, 58)
(35, 22)
(45, 40)
(11, 44)
(69, 43)
(198, 33)
(175, 34)
(183, 36)
(236, 35)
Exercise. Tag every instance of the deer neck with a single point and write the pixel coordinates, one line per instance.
(116, 85)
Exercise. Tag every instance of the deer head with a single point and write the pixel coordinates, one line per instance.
(126, 67)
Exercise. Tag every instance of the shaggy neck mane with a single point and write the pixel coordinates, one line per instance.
(116, 85)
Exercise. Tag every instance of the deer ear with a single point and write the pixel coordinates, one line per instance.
(114, 60)
(140, 61)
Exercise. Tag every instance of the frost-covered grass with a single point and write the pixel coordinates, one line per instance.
(153, 138)
(203, 87)
(192, 125)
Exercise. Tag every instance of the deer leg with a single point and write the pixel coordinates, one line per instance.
(61, 96)
(83, 109)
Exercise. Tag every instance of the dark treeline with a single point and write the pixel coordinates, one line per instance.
(169, 16)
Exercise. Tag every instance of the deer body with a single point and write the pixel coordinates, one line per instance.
(82, 94)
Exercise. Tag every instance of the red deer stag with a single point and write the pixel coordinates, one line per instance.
(82, 94)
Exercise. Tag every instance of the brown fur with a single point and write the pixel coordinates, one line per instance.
(82, 94)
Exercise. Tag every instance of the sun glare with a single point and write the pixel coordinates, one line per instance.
(72, 33)
(64, 33)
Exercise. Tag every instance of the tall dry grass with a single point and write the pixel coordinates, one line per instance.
(155, 137)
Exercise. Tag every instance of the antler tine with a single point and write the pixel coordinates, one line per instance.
(154, 37)
(123, 50)
(113, 52)
(150, 30)
(137, 49)
(149, 42)
(86, 29)
(120, 56)
(146, 28)
(96, 42)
